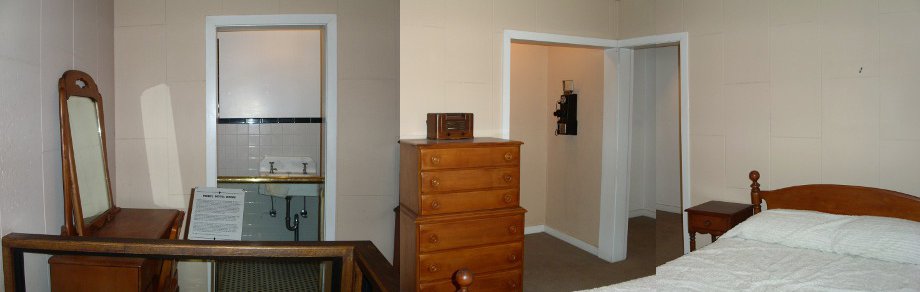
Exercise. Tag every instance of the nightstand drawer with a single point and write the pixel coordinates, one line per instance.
(469, 179)
(468, 201)
(442, 265)
(706, 222)
(441, 236)
(469, 157)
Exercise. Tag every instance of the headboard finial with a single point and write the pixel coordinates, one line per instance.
(755, 190)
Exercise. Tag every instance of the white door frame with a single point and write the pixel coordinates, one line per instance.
(618, 71)
(330, 80)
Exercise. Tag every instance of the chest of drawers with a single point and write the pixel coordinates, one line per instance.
(459, 208)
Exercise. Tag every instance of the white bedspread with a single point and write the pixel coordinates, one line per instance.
(734, 263)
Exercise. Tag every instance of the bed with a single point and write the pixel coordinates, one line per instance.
(812, 238)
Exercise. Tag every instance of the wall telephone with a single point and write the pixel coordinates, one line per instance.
(567, 110)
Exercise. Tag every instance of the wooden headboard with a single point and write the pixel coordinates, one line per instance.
(837, 199)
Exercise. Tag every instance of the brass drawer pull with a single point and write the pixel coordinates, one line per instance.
(433, 268)
(435, 182)
(434, 238)
(512, 258)
(435, 204)
(508, 156)
(512, 229)
(435, 159)
(707, 223)
(507, 198)
(508, 178)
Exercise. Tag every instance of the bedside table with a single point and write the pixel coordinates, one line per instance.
(715, 218)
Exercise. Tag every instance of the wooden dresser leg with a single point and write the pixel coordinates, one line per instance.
(692, 241)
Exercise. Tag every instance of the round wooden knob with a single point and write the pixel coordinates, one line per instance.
(435, 204)
(508, 178)
(512, 284)
(434, 238)
(512, 258)
(435, 182)
(512, 229)
(507, 198)
(433, 268)
(508, 156)
(463, 278)
(707, 223)
(435, 159)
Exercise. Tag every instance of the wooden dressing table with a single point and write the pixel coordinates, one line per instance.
(89, 209)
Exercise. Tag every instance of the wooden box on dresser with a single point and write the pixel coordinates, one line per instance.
(459, 208)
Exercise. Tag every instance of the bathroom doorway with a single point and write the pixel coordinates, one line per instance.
(293, 113)
(270, 128)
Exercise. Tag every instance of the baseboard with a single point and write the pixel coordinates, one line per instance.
(642, 212)
(534, 229)
(571, 240)
(669, 208)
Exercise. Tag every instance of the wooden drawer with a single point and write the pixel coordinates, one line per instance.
(494, 282)
(469, 201)
(469, 157)
(469, 179)
(710, 223)
(441, 266)
(441, 236)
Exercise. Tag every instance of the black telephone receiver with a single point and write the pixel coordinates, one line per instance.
(567, 110)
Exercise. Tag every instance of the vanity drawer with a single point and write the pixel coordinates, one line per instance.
(707, 222)
(469, 157)
(441, 236)
(442, 265)
(469, 201)
(469, 179)
(494, 282)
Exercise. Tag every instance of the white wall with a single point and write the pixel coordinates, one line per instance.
(450, 52)
(270, 73)
(560, 175)
(655, 165)
(573, 162)
(39, 40)
(530, 122)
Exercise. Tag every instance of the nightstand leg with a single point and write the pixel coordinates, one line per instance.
(713, 237)
(692, 241)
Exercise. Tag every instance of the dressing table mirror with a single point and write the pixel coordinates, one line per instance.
(89, 208)
(87, 192)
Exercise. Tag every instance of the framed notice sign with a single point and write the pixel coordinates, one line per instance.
(215, 214)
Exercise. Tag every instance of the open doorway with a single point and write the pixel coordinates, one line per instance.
(562, 170)
(655, 184)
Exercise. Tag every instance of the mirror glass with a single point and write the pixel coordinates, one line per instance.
(87, 151)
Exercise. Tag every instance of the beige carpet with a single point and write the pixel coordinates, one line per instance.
(551, 264)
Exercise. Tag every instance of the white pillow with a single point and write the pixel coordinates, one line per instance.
(887, 239)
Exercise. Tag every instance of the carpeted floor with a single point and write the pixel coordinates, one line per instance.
(669, 236)
(551, 264)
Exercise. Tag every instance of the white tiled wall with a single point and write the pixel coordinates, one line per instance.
(240, 147)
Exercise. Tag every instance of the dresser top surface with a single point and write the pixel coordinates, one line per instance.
(482, 141)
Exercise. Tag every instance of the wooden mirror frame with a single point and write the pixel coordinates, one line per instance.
(73, 211)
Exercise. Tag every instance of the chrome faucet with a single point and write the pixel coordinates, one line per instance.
(271, 167)
(304, 167)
